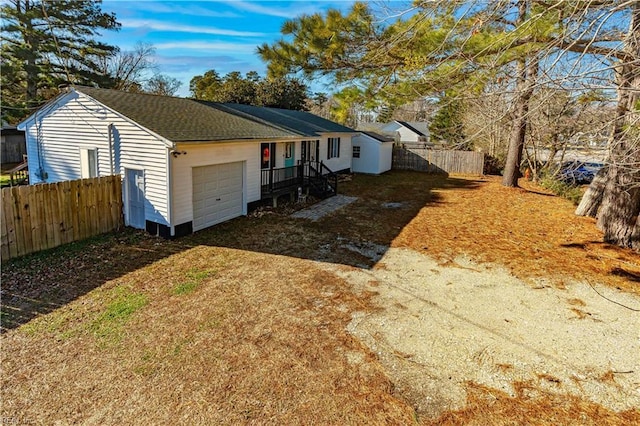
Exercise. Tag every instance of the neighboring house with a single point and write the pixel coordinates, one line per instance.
(13, 145)
(408, 132)
(186, 164)
(372, 153)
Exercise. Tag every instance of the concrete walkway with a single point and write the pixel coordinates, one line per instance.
(324, 207)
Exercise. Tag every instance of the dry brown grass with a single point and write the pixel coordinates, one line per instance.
(259, 344)
(530, 232)
(238, 327)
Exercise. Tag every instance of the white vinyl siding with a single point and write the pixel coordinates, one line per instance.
(344, 160)
(77, 122)
(386, 157)
(375, 156)
(407, 135)
(404, 134)
(281, 153)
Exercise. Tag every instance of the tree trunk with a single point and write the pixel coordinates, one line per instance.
(618, 213)
(524, 88)
(618, 217)
(592, 198)
(526, 75)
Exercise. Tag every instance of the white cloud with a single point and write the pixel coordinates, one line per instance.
(177, 8)
(208, 45)
(166, 26)
(185, 63)
(263, 8)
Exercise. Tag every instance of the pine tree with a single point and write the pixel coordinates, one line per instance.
(49, 43)
(446, 124)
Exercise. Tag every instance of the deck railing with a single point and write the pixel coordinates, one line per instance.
(313, 175)
(274, 180)
(19, 174)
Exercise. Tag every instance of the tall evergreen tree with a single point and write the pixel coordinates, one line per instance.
(48, 43)
(446, 124)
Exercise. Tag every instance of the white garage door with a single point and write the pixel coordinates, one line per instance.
(217, 194)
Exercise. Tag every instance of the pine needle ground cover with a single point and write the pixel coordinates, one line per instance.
(244, 323)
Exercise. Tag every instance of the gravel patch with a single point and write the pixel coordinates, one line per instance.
(441, 326)
(324, 207)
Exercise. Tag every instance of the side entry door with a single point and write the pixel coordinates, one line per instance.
(135, 198)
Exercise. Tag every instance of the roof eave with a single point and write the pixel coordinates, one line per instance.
(241, 140)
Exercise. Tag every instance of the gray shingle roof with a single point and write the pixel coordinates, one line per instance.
(299, 122)
(184, 120)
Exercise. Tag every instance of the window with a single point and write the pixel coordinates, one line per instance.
(333, 148)
(88, 163)
(310, 151)
(288, 151)
(356, 152)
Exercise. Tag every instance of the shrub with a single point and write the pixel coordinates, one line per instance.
(562, 189)
(493, 165)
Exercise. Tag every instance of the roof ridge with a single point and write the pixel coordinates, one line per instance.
(80, 86)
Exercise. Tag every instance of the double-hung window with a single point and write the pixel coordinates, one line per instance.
(333, 146)
(356, 152)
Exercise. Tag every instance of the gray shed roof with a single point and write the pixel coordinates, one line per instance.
(378, 136)
(185, 120)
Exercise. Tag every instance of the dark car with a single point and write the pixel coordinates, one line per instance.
(578, 172)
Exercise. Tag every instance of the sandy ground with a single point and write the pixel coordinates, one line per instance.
(441, 326)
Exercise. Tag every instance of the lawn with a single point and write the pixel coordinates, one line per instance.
(244, 323)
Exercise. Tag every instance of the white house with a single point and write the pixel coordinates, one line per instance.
(372, 153)
(186, 164)
(414, 132)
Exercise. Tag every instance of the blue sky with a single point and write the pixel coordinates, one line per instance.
(191, 37)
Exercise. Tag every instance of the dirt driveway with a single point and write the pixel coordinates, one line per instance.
(439, 327)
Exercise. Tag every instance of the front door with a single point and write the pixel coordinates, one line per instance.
(135, 198)
(289, 154)
(289, 159)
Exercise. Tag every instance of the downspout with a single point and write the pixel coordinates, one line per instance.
(40, 173)
(111, 167)
(172, 230)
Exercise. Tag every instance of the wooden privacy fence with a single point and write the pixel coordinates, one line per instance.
(438, 161)
(39, 217)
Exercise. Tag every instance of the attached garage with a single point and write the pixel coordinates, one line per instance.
(217, 194)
